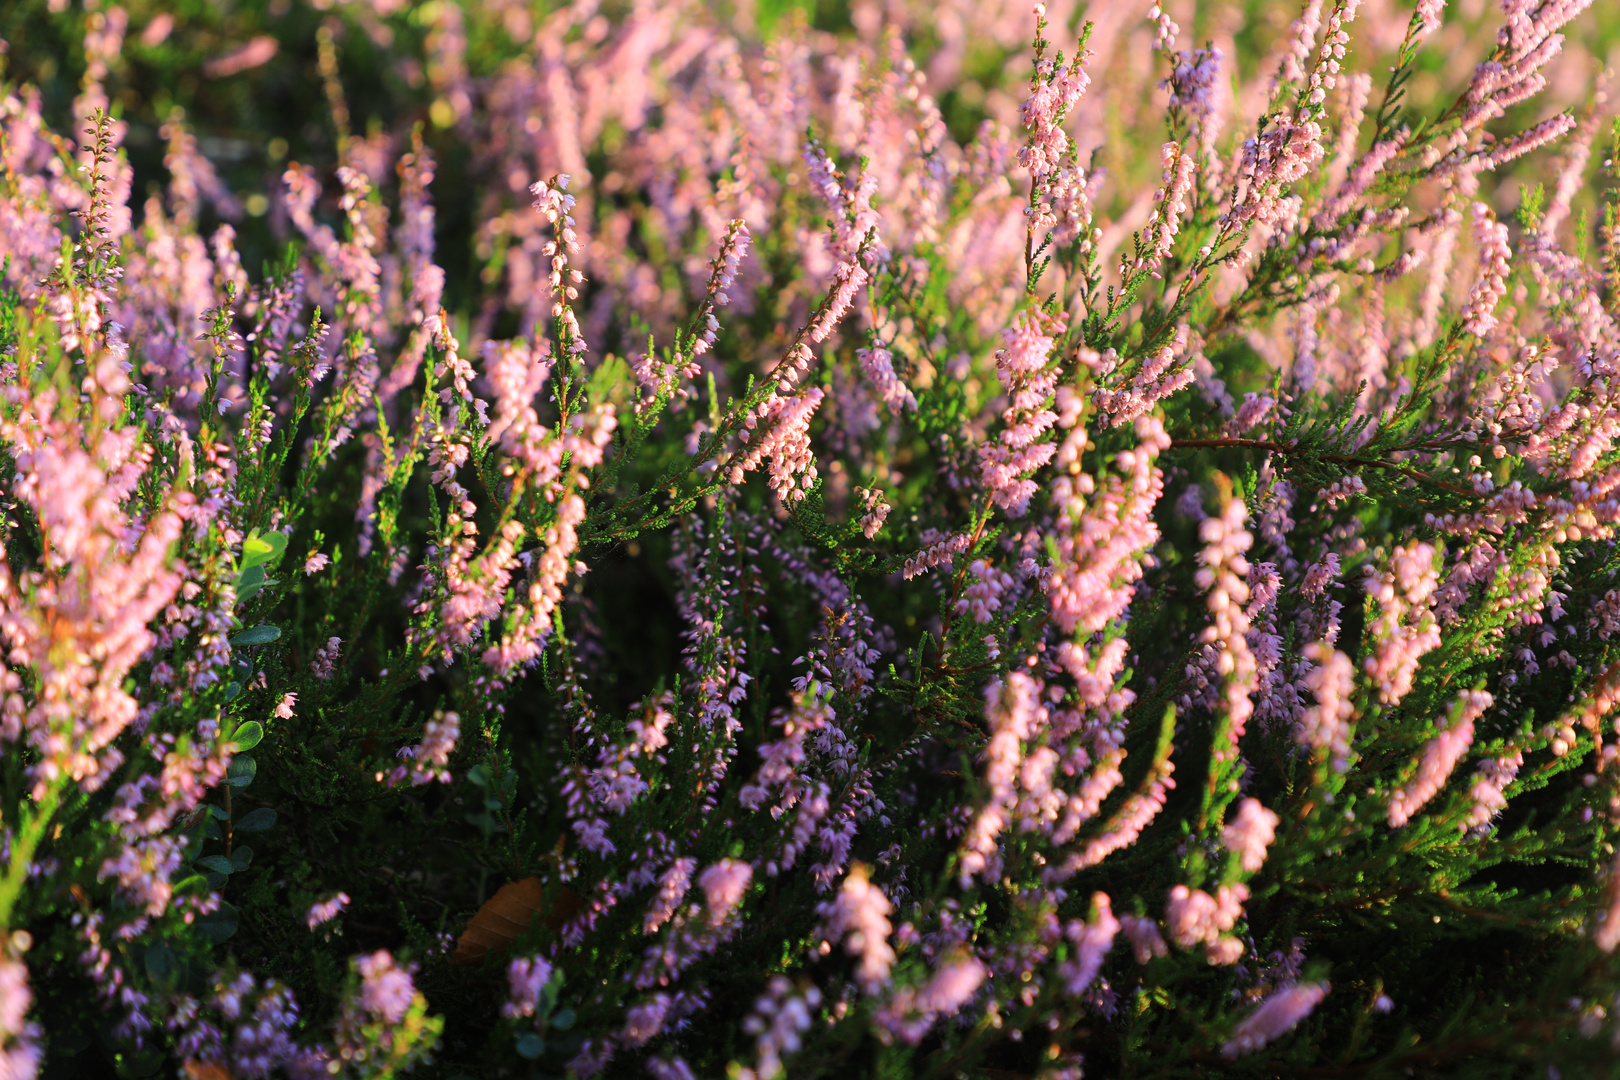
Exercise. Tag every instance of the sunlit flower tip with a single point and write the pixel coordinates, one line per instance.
(326, 910)
(1275, 1017)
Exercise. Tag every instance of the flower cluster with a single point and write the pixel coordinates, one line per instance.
(735, 547)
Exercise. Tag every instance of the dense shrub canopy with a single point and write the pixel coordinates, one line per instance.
(644, 539)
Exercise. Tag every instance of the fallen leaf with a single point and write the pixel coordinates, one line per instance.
(507, 916)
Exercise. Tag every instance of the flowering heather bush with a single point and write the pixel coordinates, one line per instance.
(831, 588)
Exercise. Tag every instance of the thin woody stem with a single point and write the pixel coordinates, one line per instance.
(1350, 460)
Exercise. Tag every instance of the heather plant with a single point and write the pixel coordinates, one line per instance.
(822, 586)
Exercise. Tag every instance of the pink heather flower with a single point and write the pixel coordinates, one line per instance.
(256, 52)
(1040, 802)
(722, 274)
(1325, 727)
(861, 911)
(386, 989)
(853, 219)
(1223, 951)
(780, 1018)
(1360, 178)
(1143, 934)
(1196, 918)
(326, 658)
(1192, 84)
(532, 626)
(284, 707)
(874, 511)
(1254, 411)
(439, 737)
(878, 364)
(1406, 627)
(1168, 29)
(593, 1057)
(1250, 833)
(1606, 923)
(1490, 782)
(1571, 179)
(616, 784)
(1440, 757)
(553, 202)
(1190, 916)
(1024, 368)
(1282, 155)
(517, 373)
(911, 1012)
(778, 772)
(649, 731)
(952, 985)
(144, 868)
(1166, 370)
(1103, 529)
(326, 910)
(1091, 941)
(527, 976)
(1524, 142)
(724, 884)
(1320, 576)
(1429, 15)
(1054, 91)
(936, 554)
(316, 563)
(1223, 572)
(848, 279)
(1165, 220)
(1126, 825)
(1068, 206)
(1340, 490)
(982, 598)
(1490, 281)
(20, 1051)
(1274, 1017)
(1016, 716)
(780, 431)
(645, 1020)
(671, 890)
(1301, 37)
(80, 621)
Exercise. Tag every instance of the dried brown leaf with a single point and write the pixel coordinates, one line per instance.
(507, 916)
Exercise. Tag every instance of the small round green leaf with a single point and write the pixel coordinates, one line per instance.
(248, 592)
(248, 735)
(219, 864)
(259, 820)
(259, 635)
(242, 771)
(160, 960)
(262, 548)
(531, 1046)
(219, 925)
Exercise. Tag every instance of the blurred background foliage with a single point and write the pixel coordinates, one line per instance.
(247, 77)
